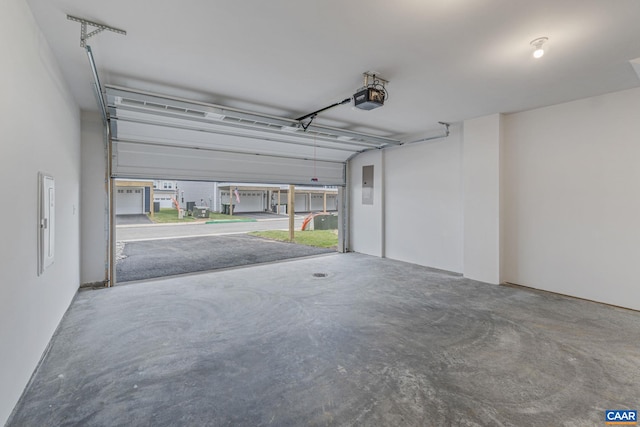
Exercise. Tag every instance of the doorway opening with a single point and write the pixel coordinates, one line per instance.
(166, 227)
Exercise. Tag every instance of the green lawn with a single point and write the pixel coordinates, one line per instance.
(318, 238)
(167, 215)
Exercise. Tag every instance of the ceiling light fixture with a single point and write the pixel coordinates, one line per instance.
(538, 44)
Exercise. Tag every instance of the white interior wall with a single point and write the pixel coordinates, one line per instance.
(94, 201)
(423, 210)
(40, 126)
(571, 192)
(481, 171)
(366, 221)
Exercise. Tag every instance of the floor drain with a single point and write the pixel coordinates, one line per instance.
(319, 274)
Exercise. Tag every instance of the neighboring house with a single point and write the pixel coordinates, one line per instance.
(198, 193)
(163, 192)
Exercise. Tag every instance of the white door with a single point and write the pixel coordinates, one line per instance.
(130, 201)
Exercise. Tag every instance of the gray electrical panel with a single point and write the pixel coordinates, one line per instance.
(367, 185)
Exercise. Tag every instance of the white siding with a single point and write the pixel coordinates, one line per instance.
(201, 193)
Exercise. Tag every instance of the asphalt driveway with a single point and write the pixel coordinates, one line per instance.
(132, 219)
(167, 257)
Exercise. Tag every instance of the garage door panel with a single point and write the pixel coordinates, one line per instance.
(259, 143)
(134, 160)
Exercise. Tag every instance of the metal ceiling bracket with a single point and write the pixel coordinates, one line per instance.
(375, 79)
(84, 36)
(446, 127)
(445, 135)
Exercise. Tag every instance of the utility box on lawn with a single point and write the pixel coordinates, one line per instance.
(325, 222)
(200, 212)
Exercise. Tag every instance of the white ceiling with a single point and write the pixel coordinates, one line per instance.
(446, 60)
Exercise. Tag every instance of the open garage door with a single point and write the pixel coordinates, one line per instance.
(156, 136)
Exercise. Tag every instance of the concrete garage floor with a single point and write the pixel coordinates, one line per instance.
(376, 342)
(167, 257)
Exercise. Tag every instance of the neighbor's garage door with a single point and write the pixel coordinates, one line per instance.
(250, 201)
(129, 201)
(301, 202)
(317, 202)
